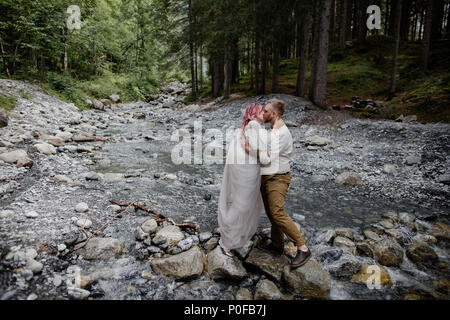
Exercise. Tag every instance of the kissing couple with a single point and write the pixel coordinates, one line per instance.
(256, 176)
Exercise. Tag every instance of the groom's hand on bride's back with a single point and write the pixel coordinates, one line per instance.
(247, 147)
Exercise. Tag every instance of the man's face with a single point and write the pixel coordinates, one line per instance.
(268, 113)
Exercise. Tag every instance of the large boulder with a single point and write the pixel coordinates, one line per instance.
(172, 234)
(102, 248)
(272, 265)
(388, 253)
(421, 254)
(219, 265)
(267, 290)
(309, 280)
(183, 266)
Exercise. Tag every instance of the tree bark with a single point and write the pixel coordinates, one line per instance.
(276, 64)
(343, 23)
(427, 36)
(398, 17)
(320, 87)
(304, 35)
(315, 50)
(5, 61)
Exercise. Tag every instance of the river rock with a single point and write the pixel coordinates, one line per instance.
(114, 98)
(78, 293)
(365, 247)
(349, 178)
(387, 224)
(96, 104)
(83, 281)
(343, 232)
(220, 266)
(211, 244)
(345, 267)
(388, 253)
(55, 141)
(83, 222)
(186, 244)
(243, 252)
(81, 207)
(149, 226)
(345, 243)
(371, 270)
(270, 264)
(395, 234)
(267, 290)
(34, 266)
(317, 141)
(390, 169)
(14, 156)
(244, 294)
(421, 253)
(172, 234)
(328, 254)
(102, 248)
(6, 213)
(186, 265)
(325, 237)
(411, 160)
(63, 179)
(309, 280)
(139, 234)
(205, 236)
(45, 148)
(31, 214)
(371, 235)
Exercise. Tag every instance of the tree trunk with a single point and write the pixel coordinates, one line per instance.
(262, 89)
(343, 23)
(191, 50)
(303, 39)
(427, 36)
(201, 67)
(315, 50)
(276, 64)
(320, 88)
(257, 63)
(227, 71)
(332, 21)
(5, 61)
(398, 18)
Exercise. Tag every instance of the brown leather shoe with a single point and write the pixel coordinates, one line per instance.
(301, 258)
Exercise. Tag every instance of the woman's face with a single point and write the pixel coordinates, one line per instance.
(259, 117)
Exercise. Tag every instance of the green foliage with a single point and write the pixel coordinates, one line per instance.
(7, 102)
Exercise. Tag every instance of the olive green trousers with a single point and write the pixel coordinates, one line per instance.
(273, 191)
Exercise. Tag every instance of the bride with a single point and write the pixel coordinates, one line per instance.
(240, 203)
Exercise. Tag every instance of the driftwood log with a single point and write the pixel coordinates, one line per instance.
(160, 215)
(89, 139)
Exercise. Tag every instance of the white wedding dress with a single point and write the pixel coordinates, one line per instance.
(240, 203)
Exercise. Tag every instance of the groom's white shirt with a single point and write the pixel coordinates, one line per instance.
(279, 147)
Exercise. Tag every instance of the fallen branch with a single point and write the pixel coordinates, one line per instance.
(89, 139)
(96, 231)
(161, 216)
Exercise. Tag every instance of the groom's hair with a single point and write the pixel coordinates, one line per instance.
(278, 106)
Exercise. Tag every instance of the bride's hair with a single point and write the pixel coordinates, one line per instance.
(250, 114)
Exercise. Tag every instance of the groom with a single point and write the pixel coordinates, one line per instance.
(275, 180)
